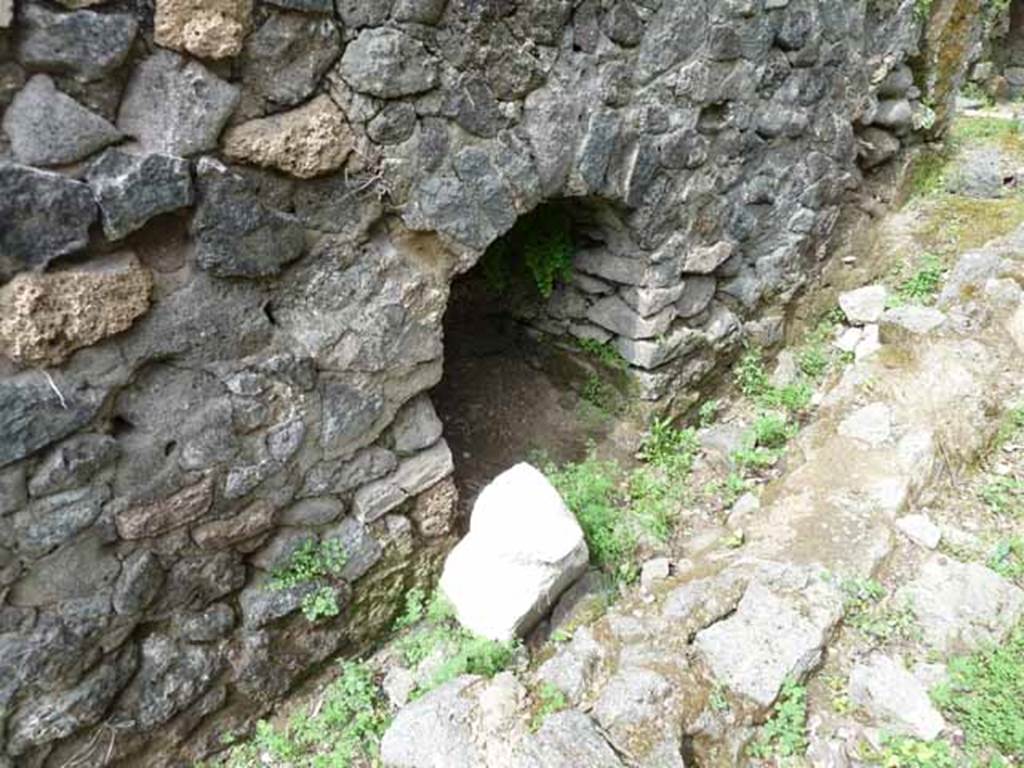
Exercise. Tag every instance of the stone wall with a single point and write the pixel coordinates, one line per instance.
(227, 234)
(997, 61)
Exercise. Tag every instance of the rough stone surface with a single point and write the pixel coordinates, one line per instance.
(208, 29)
(175, 105)
(132, 189)
(237, 234)
(72, 463)
(523, 549)
(864, 305)
(961, 606)
(272, 393)
(29, 240)
(769, 639)
(86, 44)
(284, 60)
(388, 63)
(416, 426)
(308, 141)
(166, 514)
(870, 425)
(909, 322)
(46, 127)
(895, 698)
(45, 318)
(921, 530)
(37, 410)
(434, 731)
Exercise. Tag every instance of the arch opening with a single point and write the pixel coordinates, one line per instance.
(525, 380)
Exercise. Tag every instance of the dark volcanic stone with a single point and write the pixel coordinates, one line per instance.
(237, 235)
(86, 44)
(45, 215)
(175, 105)
(32, 414)
(132, 189)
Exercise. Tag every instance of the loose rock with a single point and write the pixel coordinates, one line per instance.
(895, 697)
(864, 305)
(523, 549)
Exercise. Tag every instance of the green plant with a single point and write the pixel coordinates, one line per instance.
(550, 699)
(785, 733)
(981, 129)
(312, 564)
(591, 490)
(923, 285)
(984, 694)
(866, 611)
(600, 394)
(603, 352)
(1008, 558)
(905, 752)
(717, 700)
(667, 447)
(750, 374)
(1003, 496)
(1012, 423)
(472, 655)
(772, 430)
(539, 246)
(459, 651)
(708, 412)
(763, 444)
(415, 608)
(343, 730)
(928, 177)
(794, 398)
(839, 697)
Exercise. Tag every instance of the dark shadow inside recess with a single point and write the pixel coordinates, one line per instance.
(511, 393)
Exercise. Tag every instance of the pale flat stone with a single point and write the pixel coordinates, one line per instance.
(909, 322)
(871, 424)
(524, 548)
(921, 530)
(772, 636)
(864, 305)
(961, 606)
(869, 344)
(895, 698)
(849, 339)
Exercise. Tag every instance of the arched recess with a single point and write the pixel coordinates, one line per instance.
(528, 373)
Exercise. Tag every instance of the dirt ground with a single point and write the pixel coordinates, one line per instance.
(499, 403)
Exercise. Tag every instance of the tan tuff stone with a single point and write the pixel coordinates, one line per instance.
(209, 29)
(44, 318)
(188, 504)
(219, 534)
(305, 142)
